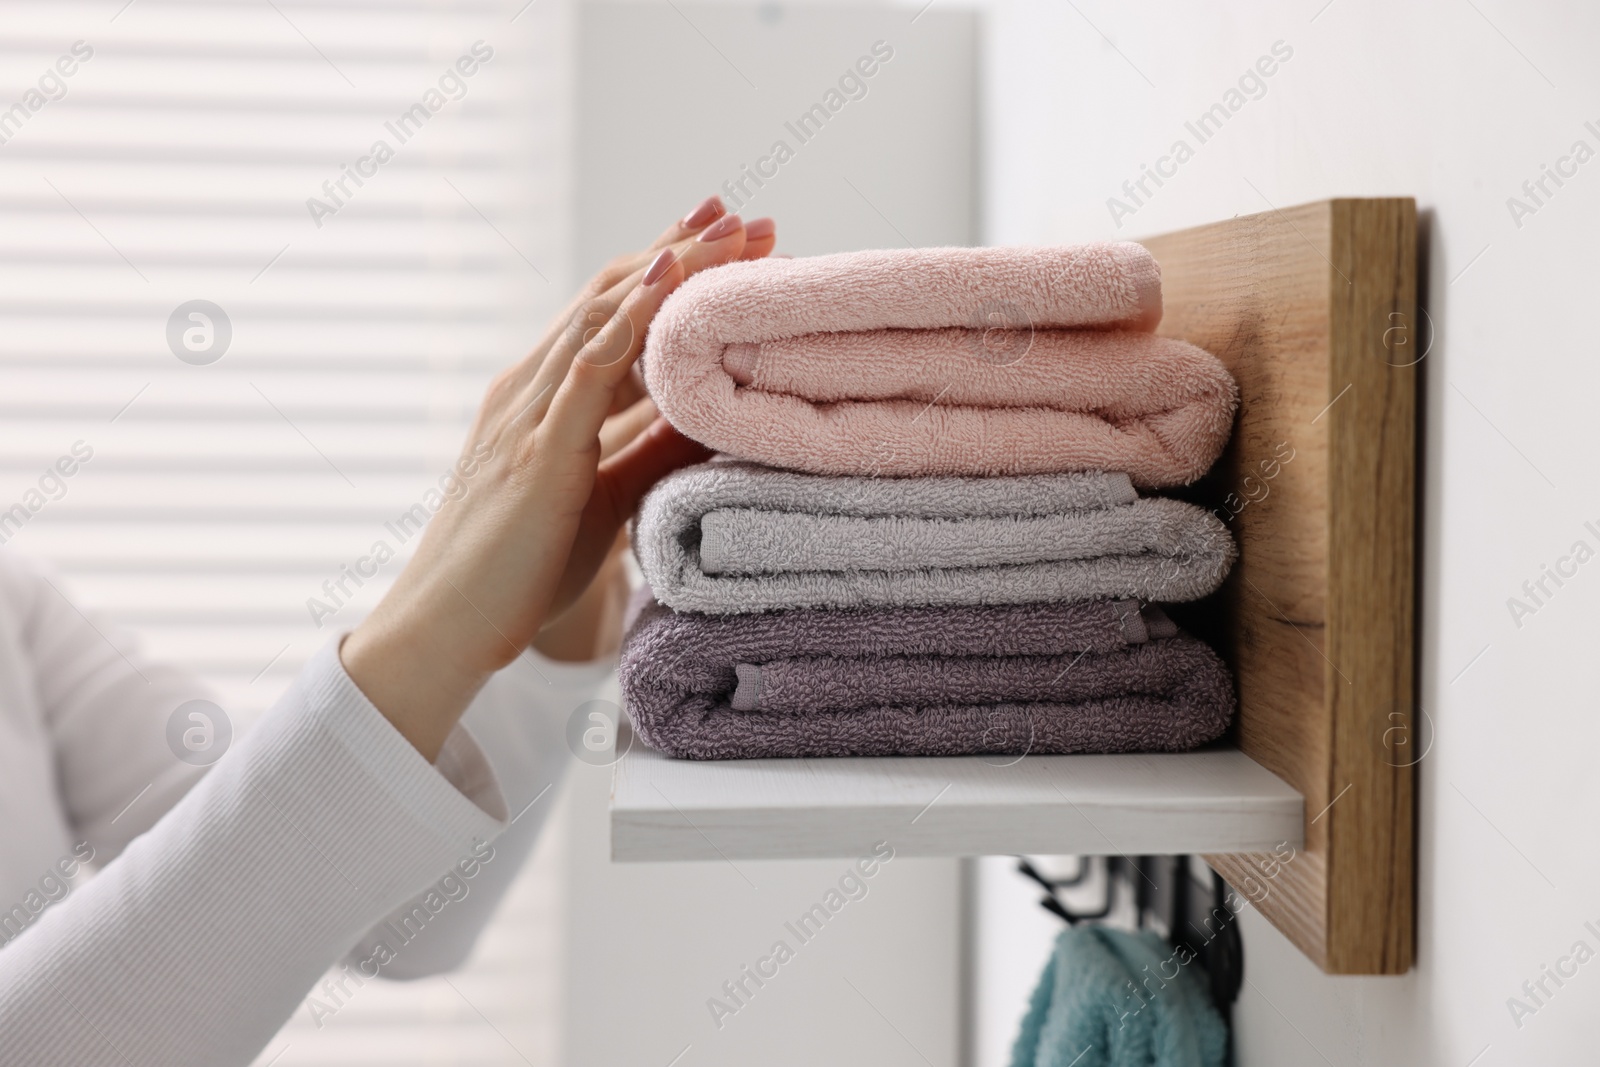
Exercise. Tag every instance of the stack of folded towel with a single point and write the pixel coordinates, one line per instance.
(923, 535)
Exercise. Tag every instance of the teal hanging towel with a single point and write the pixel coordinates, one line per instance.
(1110, 998)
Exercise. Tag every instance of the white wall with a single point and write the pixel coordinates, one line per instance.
(1455, 103)
(676, 100)
(649, 945)
(672, 100)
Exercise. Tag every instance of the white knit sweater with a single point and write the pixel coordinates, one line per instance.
(223, 895)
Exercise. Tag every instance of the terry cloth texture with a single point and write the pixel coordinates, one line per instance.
(940, 361)
(1091, 676)
(729, 537)
(1104, 1001)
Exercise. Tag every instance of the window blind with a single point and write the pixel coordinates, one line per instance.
(255, 337)
(177, 165)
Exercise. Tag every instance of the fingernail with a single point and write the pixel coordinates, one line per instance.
(723, 227)
(758, 228)
(708, 209)
(659, 266)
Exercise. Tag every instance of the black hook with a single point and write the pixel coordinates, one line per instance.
(1053, 904)
(1052, 884)
(1224, 952)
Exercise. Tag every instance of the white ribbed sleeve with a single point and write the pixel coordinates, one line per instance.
(201, 938)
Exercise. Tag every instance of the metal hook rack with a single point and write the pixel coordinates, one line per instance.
(1166, 898)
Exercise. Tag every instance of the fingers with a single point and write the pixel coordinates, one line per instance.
(594, 324)
(620, 483)
(591, 371)
(760, 237)
(721, 242)
(629, 475)
(591, 324)
(589, 381)
(625, 478)
(621, 429)
(629, 391)
(704, 214)
(616, 273)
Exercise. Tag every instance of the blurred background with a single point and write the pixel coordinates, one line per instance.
(264, 339)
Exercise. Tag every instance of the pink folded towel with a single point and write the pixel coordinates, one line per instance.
(941, 361)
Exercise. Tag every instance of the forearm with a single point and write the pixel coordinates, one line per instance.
(321, 821)
(520, 722)
(415, 680)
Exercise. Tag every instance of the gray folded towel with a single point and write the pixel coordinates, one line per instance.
(729, 537)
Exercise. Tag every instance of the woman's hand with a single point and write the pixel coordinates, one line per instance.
(592, 627)
(562, 450)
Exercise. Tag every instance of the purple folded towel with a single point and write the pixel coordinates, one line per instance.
(1087, 676)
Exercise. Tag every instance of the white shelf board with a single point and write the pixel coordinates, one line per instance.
(1141, 804)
